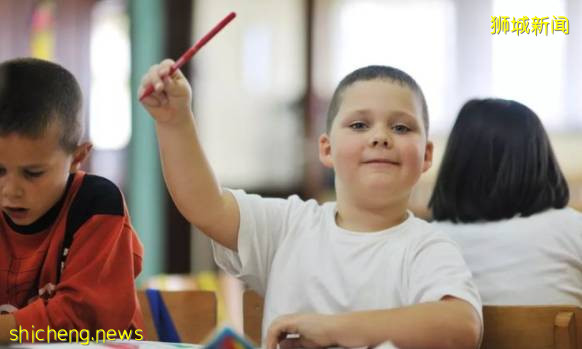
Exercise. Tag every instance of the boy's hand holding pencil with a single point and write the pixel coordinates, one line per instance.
(164, 90)
(171, 94)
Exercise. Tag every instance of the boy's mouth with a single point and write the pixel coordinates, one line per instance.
(380, 161)
(16, 212)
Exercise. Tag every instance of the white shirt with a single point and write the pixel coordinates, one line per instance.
(292, 252)
(524, 260)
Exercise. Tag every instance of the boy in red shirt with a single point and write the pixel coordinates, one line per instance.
(69, 254)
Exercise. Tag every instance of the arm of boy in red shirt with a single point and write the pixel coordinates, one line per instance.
(97, 289)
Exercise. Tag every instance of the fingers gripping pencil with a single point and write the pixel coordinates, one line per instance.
(192, 50)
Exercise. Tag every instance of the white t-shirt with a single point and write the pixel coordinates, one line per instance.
(292, 252)
(524, 260)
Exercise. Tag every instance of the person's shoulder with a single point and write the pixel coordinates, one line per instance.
(421, 232)
(422, 227)
(548, 219)
(566, 218)
(307, 203)
(292, 202)
(567, 213)
(98, 195)
(456, 229)
(306, 210)
(94, 196)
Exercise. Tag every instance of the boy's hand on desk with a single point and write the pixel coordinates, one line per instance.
(300, 331)
(172, 94)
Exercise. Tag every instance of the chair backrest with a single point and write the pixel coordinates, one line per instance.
(193, 313)
(252, 315)
(532, 327)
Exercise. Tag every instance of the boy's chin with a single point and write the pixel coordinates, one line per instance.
(382, 192)
(382, 185)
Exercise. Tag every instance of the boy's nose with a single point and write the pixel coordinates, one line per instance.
(379, 140)
(11, 190)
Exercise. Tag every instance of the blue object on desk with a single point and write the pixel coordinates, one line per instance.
(161, 317)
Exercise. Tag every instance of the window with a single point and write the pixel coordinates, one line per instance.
(110, 104)
(531, 68)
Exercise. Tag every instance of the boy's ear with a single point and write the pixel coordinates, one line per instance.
(325, 150)
(427, 156)
(80, 155)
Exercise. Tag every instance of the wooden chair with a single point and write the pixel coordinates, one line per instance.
(193, 313)
(252, 315)
(532, 327)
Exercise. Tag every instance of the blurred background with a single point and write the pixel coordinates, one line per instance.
(262, 86)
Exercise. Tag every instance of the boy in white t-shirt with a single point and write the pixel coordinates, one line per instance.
(356, 272)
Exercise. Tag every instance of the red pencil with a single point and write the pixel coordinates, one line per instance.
(192, 50)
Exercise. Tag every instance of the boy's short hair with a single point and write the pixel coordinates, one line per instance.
(33, 94)
(498, 163)
(373, 72)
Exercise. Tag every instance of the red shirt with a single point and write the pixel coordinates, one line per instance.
(93, 288)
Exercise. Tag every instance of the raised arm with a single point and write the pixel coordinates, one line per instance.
(188, 175)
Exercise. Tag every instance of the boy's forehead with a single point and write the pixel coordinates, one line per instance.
(47, 139)
(380, 95)
(21, 151)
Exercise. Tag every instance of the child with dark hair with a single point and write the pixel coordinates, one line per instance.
(69, 254)
(500, 190)
(356, 272)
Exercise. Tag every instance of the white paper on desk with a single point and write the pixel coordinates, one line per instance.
(386, 345)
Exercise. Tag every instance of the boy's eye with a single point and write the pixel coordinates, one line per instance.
(401, 128)
(33, 174)
(358, 125)
(2, 171)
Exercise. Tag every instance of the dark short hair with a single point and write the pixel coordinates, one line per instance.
(498, 163)
(33, 94)
(373, 72)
